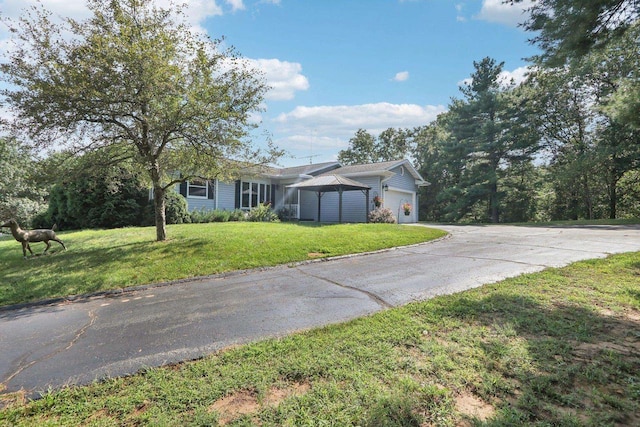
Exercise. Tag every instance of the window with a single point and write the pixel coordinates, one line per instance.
(253, 194)
(197, 188)
(291, 197)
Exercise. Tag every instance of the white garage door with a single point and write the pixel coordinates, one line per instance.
(394, 200)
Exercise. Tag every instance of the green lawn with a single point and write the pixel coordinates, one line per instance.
(555, 348)
(99, 260)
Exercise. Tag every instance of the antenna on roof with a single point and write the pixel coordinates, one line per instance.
(310, 156)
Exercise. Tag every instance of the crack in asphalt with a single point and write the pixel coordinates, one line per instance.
(21, 368)
(481, 258)
(371, 295)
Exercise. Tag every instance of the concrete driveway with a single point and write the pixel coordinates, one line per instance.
(81, 341)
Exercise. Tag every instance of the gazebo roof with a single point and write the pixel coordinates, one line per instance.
(331, 182)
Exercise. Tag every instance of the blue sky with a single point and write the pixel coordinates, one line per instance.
(339, 65)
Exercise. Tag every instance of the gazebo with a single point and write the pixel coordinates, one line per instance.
(333, 183)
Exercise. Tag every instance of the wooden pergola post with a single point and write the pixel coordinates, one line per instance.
(366, 206)
(340, 190)
(319, 201)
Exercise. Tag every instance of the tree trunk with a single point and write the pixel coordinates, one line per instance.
(159, 203)
(613, 199)
(493, 199)
(160, 214)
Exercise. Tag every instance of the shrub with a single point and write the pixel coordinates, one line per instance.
(176, 208)
(96, 198)
(382, 215)
(262, 213)
(216, 215)
(203, 215)
(285, 214)
(238, 215)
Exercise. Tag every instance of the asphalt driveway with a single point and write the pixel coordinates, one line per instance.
(79, 342)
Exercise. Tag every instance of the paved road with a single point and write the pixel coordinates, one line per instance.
(78, 342)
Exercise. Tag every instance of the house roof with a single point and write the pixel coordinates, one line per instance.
(381, 168)
(312, 169)
(330, 182)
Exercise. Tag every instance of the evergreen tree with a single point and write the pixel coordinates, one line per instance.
(491, 131)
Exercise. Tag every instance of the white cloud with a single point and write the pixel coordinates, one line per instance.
(285, 78)
(323, 131)
(401, 76)
(345, 120)
(518, 76)
(459, 16)
(504, 13)
(236, 5)
(197, 10)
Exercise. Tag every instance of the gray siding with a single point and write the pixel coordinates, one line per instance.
(226, 195)
(308, 205)
(200, 204)
(406, 182)
(353, 203)
(394, 199)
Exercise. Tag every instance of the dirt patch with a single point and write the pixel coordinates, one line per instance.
(231, 407)
(315, 255)
(277, 395)
(475, 407)
(627, 314)
(589, 350)
(244, 402)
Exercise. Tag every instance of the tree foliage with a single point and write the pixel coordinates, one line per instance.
(391, 144)
(134, 74)
(490, 132)
(21, 195)
(569, 30)
(91, 191)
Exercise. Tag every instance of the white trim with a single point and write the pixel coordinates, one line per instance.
(266, 183)
(215, 198)
(400, 190)
(206, 190)
(384, 173)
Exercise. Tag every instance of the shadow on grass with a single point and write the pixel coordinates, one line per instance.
(559, 364)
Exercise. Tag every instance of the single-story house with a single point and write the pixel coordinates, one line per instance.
(329, 191)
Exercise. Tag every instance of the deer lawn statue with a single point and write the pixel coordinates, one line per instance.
(26, 237)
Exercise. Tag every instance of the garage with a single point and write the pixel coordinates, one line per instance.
(394, 199)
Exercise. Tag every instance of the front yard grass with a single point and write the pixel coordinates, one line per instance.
(100, 260)
(555, 348)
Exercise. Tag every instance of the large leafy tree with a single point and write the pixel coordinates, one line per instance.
(362, 148)
(391, 144)
(591, 147)
(567, 30)
(20, 195)
(133, 74)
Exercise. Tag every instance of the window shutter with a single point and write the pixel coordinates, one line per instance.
(238, 191)
(183, 189)
(210, 193)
